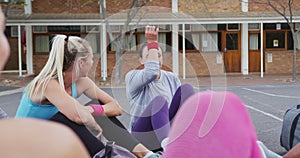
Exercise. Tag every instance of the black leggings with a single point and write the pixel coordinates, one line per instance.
(113, 130)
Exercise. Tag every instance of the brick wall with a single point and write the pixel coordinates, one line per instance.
(200, 64)
(263, 6)
(282, 62)
(194, 6)
(116, 6)
(65, 6)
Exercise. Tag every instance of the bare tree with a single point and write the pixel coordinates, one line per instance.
(285, 9)
(120, 42)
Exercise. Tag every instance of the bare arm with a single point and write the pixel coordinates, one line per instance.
(89, 88)
(294, 152)
(4, 46)
(69, 106)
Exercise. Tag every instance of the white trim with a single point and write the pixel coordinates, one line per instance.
(29, 50)
(103, 53)
(187, 20)
(20, 50)
(175, 49)
(244, 49)
(261, 50)
(183, 53)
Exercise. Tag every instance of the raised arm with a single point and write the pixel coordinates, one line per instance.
(136, 80)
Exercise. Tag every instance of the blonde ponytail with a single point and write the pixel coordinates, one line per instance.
(53, 68)
(64, 52)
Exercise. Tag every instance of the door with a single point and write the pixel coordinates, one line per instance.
(232, 51)
(254, 52)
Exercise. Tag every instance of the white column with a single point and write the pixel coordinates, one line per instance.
(104, 4)
(183, 53)
(29, 49)
(28, 7)
(174, 6)
(175, 48)
(244, 56)
(244, 5)
(261, 50)
(103, 53)
(19, 50)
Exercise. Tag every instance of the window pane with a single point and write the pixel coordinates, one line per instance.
(39, 29)
(232, 41)
(188, 42)
(210, 41)
(94, 40)
(254, 26)
(64, 29)
(42, 43)
(254, 42)
(233, 27)
(211, 27)
(275, 40)
(187, 27)
(290, 41)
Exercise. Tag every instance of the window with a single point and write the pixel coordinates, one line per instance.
(254, 26)
(14, 31)
(115, 28)
(64, 29)
(92, 28)
(290, 43)
(297, 26)
(210, 41)
(40, 29)
(254, 41)
(276, 26)
(210, 27)
(94, 40)
(187, 27)
(275, 40)
(233, 27)
(188, 42)
(42, 43)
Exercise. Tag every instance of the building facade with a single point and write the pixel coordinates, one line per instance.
(199, 38)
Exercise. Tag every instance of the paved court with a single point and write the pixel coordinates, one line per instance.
(266, 104)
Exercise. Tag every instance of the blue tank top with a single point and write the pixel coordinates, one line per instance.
(28, 108)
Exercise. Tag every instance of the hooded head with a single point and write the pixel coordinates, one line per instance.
(213, 124)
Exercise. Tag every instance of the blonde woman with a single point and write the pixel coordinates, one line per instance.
(52, 94)
(30, 142)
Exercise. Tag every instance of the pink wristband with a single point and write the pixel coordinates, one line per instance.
(152, 45)
(98, 109)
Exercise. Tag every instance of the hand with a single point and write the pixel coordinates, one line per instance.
(112, 109)
(98, 129)
(151, 33)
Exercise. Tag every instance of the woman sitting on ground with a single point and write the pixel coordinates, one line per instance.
(52, 94)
